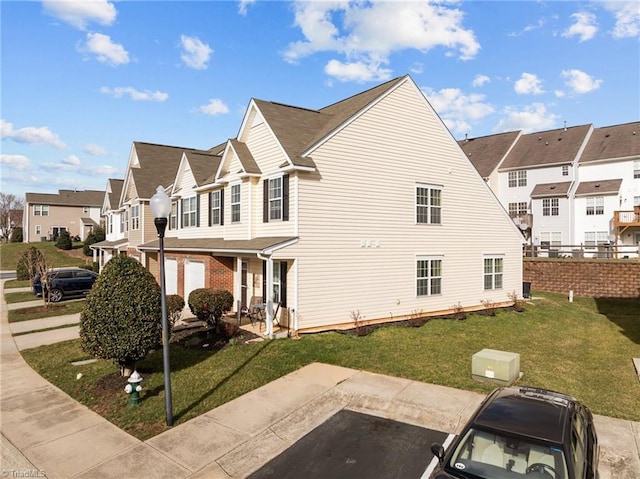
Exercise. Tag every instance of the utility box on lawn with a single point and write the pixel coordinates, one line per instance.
(491, 365)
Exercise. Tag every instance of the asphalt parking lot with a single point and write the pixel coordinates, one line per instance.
(354, 445)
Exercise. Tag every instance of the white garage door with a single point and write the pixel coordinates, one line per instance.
(171, 275)
(193, 277)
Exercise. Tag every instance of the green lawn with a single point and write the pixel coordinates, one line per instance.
(10, 254)
(584, 349)
(54, 309)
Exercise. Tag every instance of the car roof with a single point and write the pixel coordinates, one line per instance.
(530, 412)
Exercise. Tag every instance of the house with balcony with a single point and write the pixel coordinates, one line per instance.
(358, 211)
(47, 215)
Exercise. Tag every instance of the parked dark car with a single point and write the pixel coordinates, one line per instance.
(523, 432)
(64, 282)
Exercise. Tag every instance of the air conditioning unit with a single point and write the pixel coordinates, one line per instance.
(500, 367)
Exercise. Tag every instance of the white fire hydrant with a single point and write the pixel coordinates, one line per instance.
(133, 389)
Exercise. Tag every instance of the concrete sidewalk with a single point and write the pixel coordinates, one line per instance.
(45, 431)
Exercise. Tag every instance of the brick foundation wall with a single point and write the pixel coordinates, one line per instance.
(588, 278)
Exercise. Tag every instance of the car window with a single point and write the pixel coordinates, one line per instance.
(577, 445)
(82, 274)
(63, 275)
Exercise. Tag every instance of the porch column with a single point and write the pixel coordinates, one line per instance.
(237, 283)
(269, 299)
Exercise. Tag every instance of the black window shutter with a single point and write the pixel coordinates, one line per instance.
(198, 210)
(285, 198)
(210, 203)
(264, 281)
(222, 207)
(283, 284)
(265, 201)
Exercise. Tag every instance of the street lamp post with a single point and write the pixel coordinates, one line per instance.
(161, 207)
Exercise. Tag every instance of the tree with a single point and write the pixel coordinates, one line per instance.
(209, 305)
(10, 214)
(122, 318)
(33, 262)
(96, 235)
(16, 235)
(64, 241)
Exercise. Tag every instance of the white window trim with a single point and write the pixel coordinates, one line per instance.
(430, 208)
(493, 274)
(190, 213)
(237, 204)
(429, 278)
(272, 200)
(217, 210)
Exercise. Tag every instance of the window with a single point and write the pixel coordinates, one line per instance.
(122, 222)
(636, 201)
(40, 210)
(518, 209)
(38, 230)
(593, 238)
(235, 203)
(565, 170)
(550, 207)
(517, 178)
(277, 273)
(636, 169)
(553, 238)
(493, 267)
(595, 205)
(215, 208)
(428, 204)
(110, 223)
(275, 199)
(135, 217)
(173, 216)
(189, 212)
(428, 276)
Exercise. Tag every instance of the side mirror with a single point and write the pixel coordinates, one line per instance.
(438, 451)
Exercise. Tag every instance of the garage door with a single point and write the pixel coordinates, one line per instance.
(193, 277)
(171, 275)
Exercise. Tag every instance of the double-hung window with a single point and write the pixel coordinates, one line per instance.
(275, 199)
(595, 205)
(215, 205)
(235, 203)
(189, 212)
(636, 169)
(517, 209)
(517, 178)
(550, 207)
(173, 216)
(40, 210)
(135, 217)
(493, 268)
(565, 170)
(428, 275)
(593, 238)
(428, 204)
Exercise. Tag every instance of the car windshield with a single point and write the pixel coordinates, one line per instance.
(485, 455)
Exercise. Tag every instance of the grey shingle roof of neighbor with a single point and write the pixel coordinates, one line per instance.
(616, 141)
(553, 147)
(217, 244)
(486, 152)
(594, 188)
(551, 190)
(93, 198)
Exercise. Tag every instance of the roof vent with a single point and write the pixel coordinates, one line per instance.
(546, 142)
(597, 185)
(539, 138)
(559, 139)
(552, 187)
(607, 135)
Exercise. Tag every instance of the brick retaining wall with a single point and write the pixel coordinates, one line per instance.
(589, 278)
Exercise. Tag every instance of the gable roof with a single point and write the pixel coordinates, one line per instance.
(114, 191)
(551, 190)
(203, 165)
(486, 152)
(553, 147)
(599, 188)
(91, 198)
(616, 141)
(248, 162)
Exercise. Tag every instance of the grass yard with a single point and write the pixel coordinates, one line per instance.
(10, 253)
(584, 348)
(37, 312)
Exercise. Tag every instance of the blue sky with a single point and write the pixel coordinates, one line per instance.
(82, 80)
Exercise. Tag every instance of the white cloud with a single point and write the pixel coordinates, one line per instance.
(585, 26)
(627, 16)
(15, 162)
(528, 84)
(95, 150)
(367, 33)
(31, 135)
(481, 80)
(531, 118)
(195, 54)
(243, 5)
(73, 164)
(356, 71)
(458, 109)
(214, 107)
(105, 50)
(580, 82)
(134, 94)
(79, 13)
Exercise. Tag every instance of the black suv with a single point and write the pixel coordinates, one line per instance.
(523, 432)
(65, 282)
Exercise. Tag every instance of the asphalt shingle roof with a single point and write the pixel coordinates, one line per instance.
(486, 152)
(617, 141)
(92, 198)
(551, 190)
(594, 188)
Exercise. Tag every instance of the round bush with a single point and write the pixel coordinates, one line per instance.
(64, 241)
(209, 305)
(122, 318)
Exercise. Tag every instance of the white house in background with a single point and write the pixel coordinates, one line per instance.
(115, 241)
(366, 209)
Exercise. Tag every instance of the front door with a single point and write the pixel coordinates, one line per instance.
(193, 277)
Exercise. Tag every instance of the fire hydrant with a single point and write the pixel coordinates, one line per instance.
(133, 389)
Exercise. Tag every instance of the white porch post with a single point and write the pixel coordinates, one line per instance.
(237, 286)
(269, 299)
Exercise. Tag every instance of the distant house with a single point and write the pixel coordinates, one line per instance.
(111, 213)
(47, 215)
(366, 209)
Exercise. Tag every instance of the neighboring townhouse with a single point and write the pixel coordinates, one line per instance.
(47, 215)
(115, 242)
(365, 210)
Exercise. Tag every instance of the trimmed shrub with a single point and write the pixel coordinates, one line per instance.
(27, 266)
(64, 241)
(175, 305)
(210, 305)
(96, 235)
(16, 235)
(122, 318)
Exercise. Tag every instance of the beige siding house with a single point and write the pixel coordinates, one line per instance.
(366, 209)
(47, 215)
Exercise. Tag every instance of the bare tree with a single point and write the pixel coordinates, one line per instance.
(36, 262)
(9, 204)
